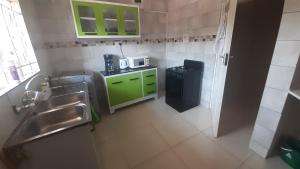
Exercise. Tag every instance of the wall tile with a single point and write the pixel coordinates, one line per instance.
(262, 136)
(268, 118)
(291, 5)
(280, 77)
(290, 26)
(262, 151)
(274, 99)
(286, 53)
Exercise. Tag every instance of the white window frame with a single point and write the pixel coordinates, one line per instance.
(27, 65)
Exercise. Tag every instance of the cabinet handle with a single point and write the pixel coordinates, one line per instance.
(91, 33)
(150, 84)
(149, 75)
(151, 92)
(134, 79)
(117, 82)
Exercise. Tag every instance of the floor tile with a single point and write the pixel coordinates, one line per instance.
(243, 166)
(175, 130)
(257, 162)
(201, 152)
(111, 156)
(236, 143)
(199, 117)
(165, 160)
(141, 144)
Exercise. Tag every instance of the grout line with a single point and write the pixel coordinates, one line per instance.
(184, 163)
(222, 147)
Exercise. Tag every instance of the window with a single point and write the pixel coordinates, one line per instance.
(17, 58)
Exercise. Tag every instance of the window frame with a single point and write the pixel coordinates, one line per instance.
(28, 63)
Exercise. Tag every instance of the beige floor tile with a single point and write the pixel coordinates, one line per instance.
(257, 162)
(237, 143)
(105, 130)
(165, 160)
(175, 130)
(141, 144)
(199, 117)
(243, 166)
(201, 152)
(111, 156)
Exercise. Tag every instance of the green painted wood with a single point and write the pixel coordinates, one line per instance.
(117, 92)
(150, 82)
(124, 88)
(129, 16)
(134, 86)
(91, 11)
(110, 15)
(125, 17)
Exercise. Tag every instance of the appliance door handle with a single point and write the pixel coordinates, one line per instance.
(117, 82)
(134, 79)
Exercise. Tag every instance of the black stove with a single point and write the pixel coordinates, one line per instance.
(183, 85)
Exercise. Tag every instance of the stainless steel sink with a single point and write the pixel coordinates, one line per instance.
(61, 101)
(53, 121)
(66, 108)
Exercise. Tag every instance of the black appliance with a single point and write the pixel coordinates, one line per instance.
(110, 61)
(184, 84)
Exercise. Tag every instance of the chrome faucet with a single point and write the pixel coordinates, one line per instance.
(30, 97)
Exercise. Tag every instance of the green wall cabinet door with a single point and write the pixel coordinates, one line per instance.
(105, 20)
(110, 16)
(86, 18)
(130, 21)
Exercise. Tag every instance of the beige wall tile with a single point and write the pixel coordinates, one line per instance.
(290, 26)
(268, 118)
(280, 77)
(286, 53)
(274, 99)
(291, 5)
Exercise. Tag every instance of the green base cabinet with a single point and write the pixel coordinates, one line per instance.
(126, 89)
(99, 19)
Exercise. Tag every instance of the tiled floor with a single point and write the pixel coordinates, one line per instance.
(152, 135)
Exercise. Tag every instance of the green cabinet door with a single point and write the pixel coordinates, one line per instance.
(124, 88)
(150, 82)
(117, 92)
(103, 19)
(134, 86)
(86, 18)
(130, 20)
(110, 19)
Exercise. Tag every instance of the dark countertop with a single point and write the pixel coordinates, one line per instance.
(123, 71)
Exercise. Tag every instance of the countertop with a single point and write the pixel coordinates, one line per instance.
(124, 71)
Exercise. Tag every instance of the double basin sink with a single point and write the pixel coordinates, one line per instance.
(68, 107)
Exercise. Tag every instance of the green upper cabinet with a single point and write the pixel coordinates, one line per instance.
(105, 20)
(86, 18)
(130, 21)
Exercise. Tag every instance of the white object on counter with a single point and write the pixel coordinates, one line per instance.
(123, 63)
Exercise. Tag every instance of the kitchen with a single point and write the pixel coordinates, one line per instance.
(152, 133)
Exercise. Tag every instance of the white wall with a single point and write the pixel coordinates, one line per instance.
(191, 19)
(280, 76)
